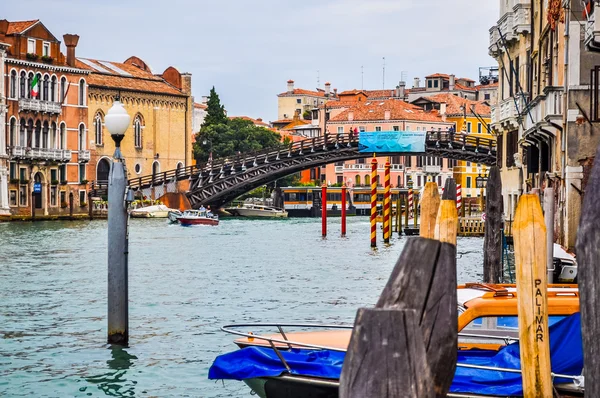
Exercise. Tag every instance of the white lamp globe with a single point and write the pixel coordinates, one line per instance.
(117, 120)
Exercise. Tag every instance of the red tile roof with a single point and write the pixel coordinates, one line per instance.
(375, 111)
(300, 91)
(466, 79)
(200, 106)
(17, 27)
(486, 86)
(438, 75)
(352, 92)
(464, 88)
(257, 122)
(134, 78)
(453, 104)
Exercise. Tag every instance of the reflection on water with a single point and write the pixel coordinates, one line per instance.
(184, 284)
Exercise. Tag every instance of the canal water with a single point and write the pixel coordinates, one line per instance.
(184, 284)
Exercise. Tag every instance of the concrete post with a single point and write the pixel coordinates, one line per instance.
(549, 221)
(118, 306)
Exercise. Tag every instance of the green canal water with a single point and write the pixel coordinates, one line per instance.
(184, 284)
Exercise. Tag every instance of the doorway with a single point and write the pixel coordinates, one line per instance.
(102, 170)
(37, 196)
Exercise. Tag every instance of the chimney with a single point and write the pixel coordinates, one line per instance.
(443, 110)
(417, 82)
(259, 119)
(452, 84)
(204, 99)
(71, 42)
(335, 92)
(397, 92)
(402, 87)
(290, 87)
(327, 89)
(3, 27)
(387, 115)
(350, 116)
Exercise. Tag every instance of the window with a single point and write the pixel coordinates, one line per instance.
(429, 84)
(63, 199)
(479, 128)
(361, 129)
(31, 46)
(499, 149)
(435, 83)
(138, 168)
(407, 161)
(29, 84)
(298, 100)
(45, 88)
(377, 128)
(53, 89)
(13, 170)
(23, 174)
(469, 126)
(46, 49)
(23, 85)
(137, 132)
(12, 197)
(82, 92)
(62, 174)
(419, 181)
(98, 129)
(52, 136)
(82, 172)
(396, 128)
(62, 136)
(512, 147)
(23, 195)
(12, 132)
(53, 176)
(340, 130)
(64, 87)
(357, 180)
(13, 84)
(486, 96)
(367, 180)
(82, 197)
(53, 195)
(81, 141)
(468, 182)
(45, 131)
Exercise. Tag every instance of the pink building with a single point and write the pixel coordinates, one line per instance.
(340, 117)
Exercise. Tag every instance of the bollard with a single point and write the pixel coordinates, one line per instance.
(409, 209)
(374, 202)
(429, 210)
(344, 209)
(386, 203)
(324, 210)
(71, 205)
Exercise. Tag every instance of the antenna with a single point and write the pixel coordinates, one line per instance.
(362, 77)
(403, 75)
(318, 79)
(384, 73)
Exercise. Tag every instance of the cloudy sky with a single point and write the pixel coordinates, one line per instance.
(249, 49)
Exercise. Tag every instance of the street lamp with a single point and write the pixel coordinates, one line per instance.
(117, 121)
(481, 182)
(209, 142)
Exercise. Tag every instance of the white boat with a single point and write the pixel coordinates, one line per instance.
(252, 210)
(156, 211)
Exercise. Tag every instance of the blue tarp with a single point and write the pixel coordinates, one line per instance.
(565, 348)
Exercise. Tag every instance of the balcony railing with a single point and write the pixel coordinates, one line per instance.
(545, 107)
(84, 156)
(26, 104)
(432, 168)
(56, 155)
(521, 18)
(380, 166)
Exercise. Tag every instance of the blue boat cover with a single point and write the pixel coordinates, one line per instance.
(565, 348)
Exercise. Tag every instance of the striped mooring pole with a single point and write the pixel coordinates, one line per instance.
(324, 210)
(386, 203)
(344, 209)
(458, 198)
(374, 202)
(409, 210)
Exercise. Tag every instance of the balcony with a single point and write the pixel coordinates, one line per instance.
(26, 104)
(83, 156)
(521, 18)
(357, 166)
(432, 168)
(546, 108)
(506, 24)
(47, 154)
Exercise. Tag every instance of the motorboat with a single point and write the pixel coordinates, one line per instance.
(173, 216)
(253, 210)
(306, 359)
(156, 211)
(196, 217)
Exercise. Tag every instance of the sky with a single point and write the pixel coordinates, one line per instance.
(248, 49)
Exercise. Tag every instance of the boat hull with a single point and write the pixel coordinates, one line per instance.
(241, 212)
(197, 221)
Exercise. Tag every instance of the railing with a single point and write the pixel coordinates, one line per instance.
(59, 155)
(506, 24)
(84, 156)
(26, 104)
(471, 226)
(339, 169)
(521, 18)
(432, 168)
(544, 107)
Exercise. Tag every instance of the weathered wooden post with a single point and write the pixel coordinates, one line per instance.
(446, 225)
(71, 205)
(324, 210)
(399, 214)
(416, 211)
(374, 202)
(90, 207)
(532, 296)
(588, 259)
(117, 121)
(430, 203)
(549, 221)
(492, 246)
(386, 202)
(344, 209)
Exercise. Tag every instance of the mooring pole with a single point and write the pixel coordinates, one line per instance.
(117, 121)
(430, 204)
(399, 214)
(324, 210)
(374, 202)
(416, 211)
(32, 205)
(549, 221)
(386, 202)
(71, 205)
(344, 209)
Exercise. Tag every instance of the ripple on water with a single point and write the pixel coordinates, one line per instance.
(184, 284)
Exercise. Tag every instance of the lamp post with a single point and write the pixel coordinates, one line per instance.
(480, 183)
(209, 142)
(116, 121)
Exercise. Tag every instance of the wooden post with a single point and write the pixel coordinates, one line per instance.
(90, 207)
(588, 259)
(430, 204)
(532, 297)
(71, 205)
(386, 202)
(344, 209)
(549, 221)
(424, 279)
(399, 214)
(324, 210)
(374, 202)
(492, 245)
(32, 205)
(446, 225)
(462, 209)
(416, 211)
(386, 357)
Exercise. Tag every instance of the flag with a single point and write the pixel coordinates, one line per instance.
(35, 86)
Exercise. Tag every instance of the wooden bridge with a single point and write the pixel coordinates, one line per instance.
(222, 180)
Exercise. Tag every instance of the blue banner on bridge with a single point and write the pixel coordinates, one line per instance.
(392, 142)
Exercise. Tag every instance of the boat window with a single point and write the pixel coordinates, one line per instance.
(301, 196)
(510, 322)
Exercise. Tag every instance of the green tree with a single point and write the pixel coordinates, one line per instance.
(215, 111)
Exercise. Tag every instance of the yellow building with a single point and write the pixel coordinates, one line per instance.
(160, 135)
(471, 117)
(299, 101)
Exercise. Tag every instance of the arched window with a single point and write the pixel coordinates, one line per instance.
(98, 129)
(81, 141)
(22, 133)
(155, 168)
(12, 139)
(29, 82)
(36, 87)
(62, 136)
(44, 143)
(179, 168)
(82, 92)
(45, 88)
(367, 180)
(13, 84)
(53, 89)
(38, 135)
(64, 87)
(53, 144)
(30, 133)
(357, 180)
(23, 85)
(137, 132)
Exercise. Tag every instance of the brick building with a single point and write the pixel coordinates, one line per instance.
(46, 120)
